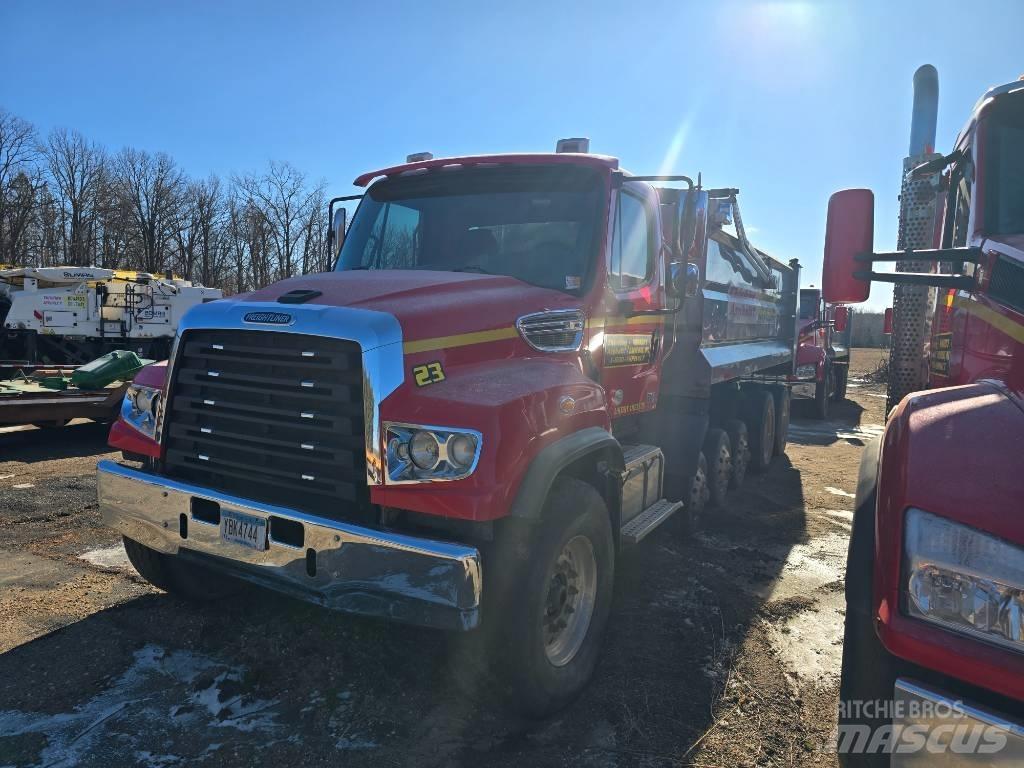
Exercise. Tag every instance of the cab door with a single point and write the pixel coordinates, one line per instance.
(633, 340)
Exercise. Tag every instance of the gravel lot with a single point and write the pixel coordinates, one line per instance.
(722, 650)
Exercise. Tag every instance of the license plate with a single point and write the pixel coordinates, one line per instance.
(242, 529)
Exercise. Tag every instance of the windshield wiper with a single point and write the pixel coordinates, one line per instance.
(471, 268)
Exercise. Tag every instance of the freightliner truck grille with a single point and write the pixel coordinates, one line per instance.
(269, 416)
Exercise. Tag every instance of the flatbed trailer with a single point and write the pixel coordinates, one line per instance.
(29, 402)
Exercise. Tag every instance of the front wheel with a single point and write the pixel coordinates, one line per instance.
(823, 394)
(558, 616)
(185, 579)
(841, 375)
(762, 429)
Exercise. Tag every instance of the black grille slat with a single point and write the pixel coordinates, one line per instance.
(248, 353)
(256, 432)
(327, 442)
(219, 441)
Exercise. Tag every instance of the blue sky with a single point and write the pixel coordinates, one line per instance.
(789, 101)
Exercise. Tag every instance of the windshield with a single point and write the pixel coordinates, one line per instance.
(1004, 171)
(537, 224)
(809, 301)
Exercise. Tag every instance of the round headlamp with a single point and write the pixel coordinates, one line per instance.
(424, 450)
(461, 450)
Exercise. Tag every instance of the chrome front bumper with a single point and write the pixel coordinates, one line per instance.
(351, 568)
(945, 722)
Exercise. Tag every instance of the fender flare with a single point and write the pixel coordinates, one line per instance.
(552, 459)
(860, 558)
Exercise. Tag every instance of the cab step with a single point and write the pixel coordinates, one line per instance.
(637, 529)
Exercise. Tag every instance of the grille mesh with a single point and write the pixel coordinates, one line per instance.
(270, 416)
(1007, 283)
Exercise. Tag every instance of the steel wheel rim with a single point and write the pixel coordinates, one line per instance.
(569, 604)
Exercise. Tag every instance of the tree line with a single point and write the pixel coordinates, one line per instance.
(67, 200)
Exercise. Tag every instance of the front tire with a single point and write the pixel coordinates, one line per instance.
(782, 408)
(558, 615)
(841, 375)
(762, 429)
(182, 578)
(823, 394)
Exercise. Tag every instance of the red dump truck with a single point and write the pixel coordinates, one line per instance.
(521, 365)
(933, 657)
(823, 351)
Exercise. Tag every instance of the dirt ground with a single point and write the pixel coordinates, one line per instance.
(722, 650)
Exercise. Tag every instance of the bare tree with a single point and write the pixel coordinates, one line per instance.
(77, 167)
(69, 202)
(18, 152)
(153, 187)
(281, 196)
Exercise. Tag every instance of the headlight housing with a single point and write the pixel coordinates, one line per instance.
(807, 371)
(964, 580)
(139, 408)
(421, 454)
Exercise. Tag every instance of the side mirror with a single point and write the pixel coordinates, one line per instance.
(685, 279)
(849, 231)
(338, 231)
(841, 319)
(887, 322)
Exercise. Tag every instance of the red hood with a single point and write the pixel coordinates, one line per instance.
(427, 303)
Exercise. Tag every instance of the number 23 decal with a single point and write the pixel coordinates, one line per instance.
(431, 373)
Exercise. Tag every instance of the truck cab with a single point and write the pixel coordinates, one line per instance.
(520, 366)
(935, 581)
(823, 351)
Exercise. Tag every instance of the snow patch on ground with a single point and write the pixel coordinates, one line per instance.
(170, 698)
(107, 557)
(840, 492)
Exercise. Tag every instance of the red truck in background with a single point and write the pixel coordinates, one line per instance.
(933, 655)
(521, 365)
(823, 351)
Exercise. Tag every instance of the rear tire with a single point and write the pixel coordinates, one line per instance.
(691, 518)
(761, 429)
(739, 440)
(550, 655)
(718, 452)
(184, 579)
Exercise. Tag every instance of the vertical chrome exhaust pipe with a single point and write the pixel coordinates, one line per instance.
(913, 305)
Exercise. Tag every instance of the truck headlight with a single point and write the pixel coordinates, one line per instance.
(964, 580)
(422, 454)
(139, 408)
(806, 371)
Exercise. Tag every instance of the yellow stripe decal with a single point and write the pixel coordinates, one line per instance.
(1000, 322)
(459, 340)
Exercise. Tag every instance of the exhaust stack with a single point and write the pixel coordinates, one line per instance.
(919, 197)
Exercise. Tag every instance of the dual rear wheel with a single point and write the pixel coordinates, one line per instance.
(742, 444)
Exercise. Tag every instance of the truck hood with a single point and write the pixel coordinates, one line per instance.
(427, 304)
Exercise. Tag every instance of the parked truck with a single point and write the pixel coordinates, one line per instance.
(70, 315)
(823, 351)
(933, 654)
(521, 365)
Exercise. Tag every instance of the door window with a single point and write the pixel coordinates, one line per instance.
(632, 254)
